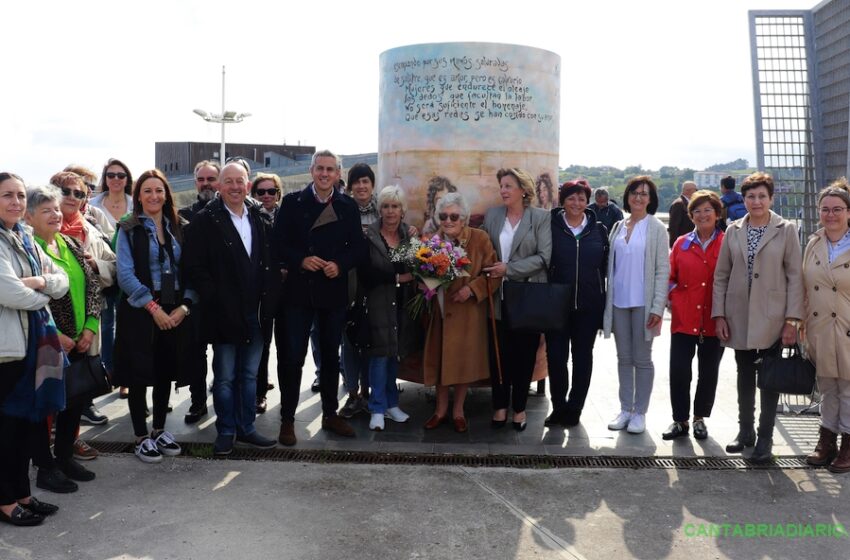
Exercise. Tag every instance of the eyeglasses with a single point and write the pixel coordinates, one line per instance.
(207, 179)
(262, 192)
(79, 195)
(639, 194)
(834, 211)
(119, 175)
(451, 217)
(91, 186)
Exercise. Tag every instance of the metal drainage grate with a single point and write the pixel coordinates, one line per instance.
(204, 451)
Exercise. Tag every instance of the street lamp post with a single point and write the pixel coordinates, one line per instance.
(225, 117)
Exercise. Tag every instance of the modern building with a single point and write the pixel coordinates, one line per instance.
(801, 89)
(711, 179)
(179, 158)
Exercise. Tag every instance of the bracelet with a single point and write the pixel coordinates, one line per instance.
(152, 307)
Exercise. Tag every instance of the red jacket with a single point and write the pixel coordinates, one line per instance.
(692, 278)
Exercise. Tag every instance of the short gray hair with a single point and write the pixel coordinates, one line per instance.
(392, 193)
(36, 196)
(326, 153)
(601, 191)
(453, 199)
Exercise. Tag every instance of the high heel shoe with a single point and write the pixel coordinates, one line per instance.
(434, 421)
(521, 425)
(497, 424)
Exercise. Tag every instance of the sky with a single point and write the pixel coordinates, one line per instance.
(643, 82)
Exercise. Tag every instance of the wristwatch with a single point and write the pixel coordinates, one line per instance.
(186, 309)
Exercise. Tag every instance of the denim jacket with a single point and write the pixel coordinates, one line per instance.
(138, 295)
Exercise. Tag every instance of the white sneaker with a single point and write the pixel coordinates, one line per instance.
(621, 421)
(147, 452)
(396, 415)
(166, 444)
(637, 424)
(377, 423)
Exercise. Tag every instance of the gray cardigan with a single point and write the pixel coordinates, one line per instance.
(531, 249)
(656, 274)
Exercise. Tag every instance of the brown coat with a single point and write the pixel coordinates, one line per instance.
(756, 315)
(456, 346)
(828, 308)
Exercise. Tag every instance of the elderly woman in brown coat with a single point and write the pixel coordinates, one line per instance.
(826, 274)
(456, 340)
(757, 299)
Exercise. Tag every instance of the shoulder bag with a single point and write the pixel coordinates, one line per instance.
(785, 370)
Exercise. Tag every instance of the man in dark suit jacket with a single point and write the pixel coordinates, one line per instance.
(680, 221)
(318, 239)
(228, 259)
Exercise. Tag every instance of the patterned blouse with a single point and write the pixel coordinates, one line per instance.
(754, 236)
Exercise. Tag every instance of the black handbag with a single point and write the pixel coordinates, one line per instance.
(357, 324)
(85, 379)
(785, 370)
(536, 306)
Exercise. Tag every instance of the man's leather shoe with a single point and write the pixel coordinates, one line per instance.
(54, 480)
(195, 413)
(745, 438)
(262, 405)
(287, 433)
(676, 429)
(335, 424)
(555, 419)
(256, 440)
(763, 451)
(75, 471)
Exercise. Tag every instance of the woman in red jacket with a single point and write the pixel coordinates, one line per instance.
(692, 263)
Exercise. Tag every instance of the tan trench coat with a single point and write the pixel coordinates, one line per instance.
(828, 308)
(456, 347)
(757, 314)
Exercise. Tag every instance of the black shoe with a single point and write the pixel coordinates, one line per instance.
(256, 440)
(498, 424)
(196, 412)
(91, 415)
(41, 508)
(676, 429)
(21, 517)
(745, 438)
(75, 471)
(315, 386)
(223, 445)
(700, 431)
(555, 419)
(763, 451)
(571, 418)
(54, 480)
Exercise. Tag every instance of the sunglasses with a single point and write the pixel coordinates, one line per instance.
(79, 195)
(451, 217)
(262, 192)
(111, 175)
(207, 179)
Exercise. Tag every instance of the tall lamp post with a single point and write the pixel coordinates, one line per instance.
(225, 117)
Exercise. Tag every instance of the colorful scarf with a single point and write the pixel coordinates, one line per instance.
(74, 226)
(41, 390)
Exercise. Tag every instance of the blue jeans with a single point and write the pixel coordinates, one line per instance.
(235, 383)
(107, 332)
(292, 335)
(354, 367)
(382, 383)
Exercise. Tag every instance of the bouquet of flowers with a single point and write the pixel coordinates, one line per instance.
(434, 262)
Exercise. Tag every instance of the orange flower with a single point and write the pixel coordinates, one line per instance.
(441, 263)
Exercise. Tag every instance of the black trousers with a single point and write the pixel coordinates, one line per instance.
(518, 353)
(67, 421)
(267, 328)
(578, 338)
(16, 445)
(198, 379)
(747, 396)
(164, 349)
(709, 352)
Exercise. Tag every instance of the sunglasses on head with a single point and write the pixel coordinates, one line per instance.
(119, 175)
(271, 190)
(79, 195)
(207, 179)
(451, 217)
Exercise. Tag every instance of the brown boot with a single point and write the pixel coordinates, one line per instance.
(826, 449)
(841, 464)
(287, 433)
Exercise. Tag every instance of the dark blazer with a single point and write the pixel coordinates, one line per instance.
(188, 213)
(232, 285)
(306, 227)
(680, 222)
(580, 261)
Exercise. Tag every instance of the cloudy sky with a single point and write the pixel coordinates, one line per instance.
(643, 82)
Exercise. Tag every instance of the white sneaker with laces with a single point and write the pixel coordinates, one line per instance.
(377, 423)
(397, 415)
(147, 452)
(166, 444)
(637, 424)
(621, 421)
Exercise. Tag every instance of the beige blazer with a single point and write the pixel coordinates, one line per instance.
(827, 308)
(531, 249)
(756, 315)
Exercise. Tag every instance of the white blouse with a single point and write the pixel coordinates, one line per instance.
(629, 262)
